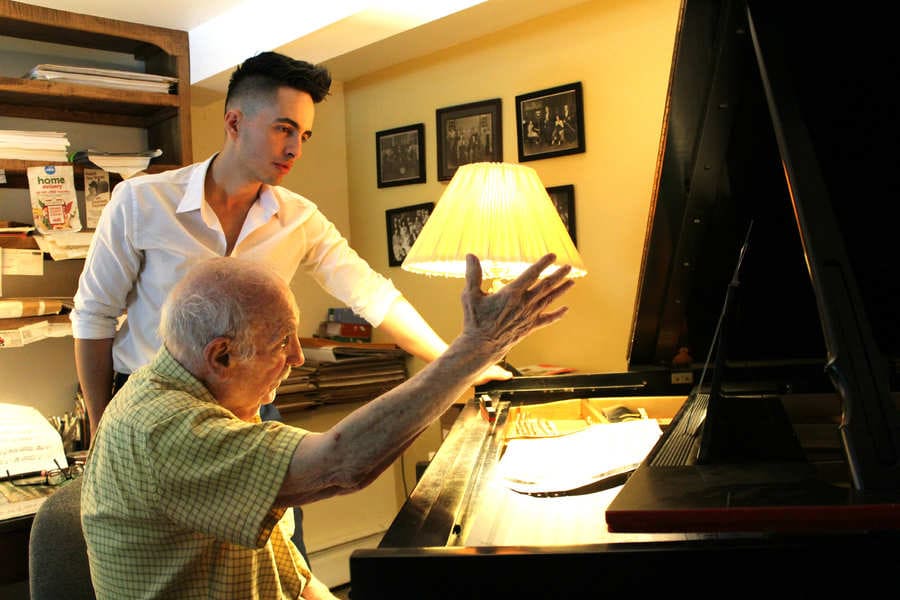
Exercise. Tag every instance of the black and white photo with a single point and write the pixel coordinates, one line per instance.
(403, 227)
(563, 197)
(400, 155)
(468, 133)
(550, 122)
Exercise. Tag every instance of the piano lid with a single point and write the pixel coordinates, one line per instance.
(783, 115)
(720, 167)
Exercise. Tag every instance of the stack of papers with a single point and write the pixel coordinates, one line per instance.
(27, 320)
(49, 146)
(109, 78)
(337, 372)
(65, 245)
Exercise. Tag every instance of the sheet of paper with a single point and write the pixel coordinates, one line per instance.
(96, 195)
(574, 460)
(22, 336)
(28, 442)
(21, 262)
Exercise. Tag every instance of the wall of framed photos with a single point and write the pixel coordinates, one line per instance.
(619, 55)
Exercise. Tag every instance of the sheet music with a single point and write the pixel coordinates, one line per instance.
(574, 460)
(28, 442)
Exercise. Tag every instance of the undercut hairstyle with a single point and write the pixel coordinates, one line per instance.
(223, 296)
(259, 77)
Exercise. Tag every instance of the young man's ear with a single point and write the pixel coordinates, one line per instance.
(233, 119)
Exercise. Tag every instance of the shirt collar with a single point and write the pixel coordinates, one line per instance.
(166, 367)
(194, 193)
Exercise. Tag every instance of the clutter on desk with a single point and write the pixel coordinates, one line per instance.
(24, 320)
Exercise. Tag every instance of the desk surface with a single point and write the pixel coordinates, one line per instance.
(22, 501)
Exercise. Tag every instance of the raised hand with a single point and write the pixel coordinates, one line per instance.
(496, 322)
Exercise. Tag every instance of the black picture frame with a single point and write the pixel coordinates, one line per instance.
(482, 143)
(400, 155)
(403, 227)
(550, 122)
(563, 198)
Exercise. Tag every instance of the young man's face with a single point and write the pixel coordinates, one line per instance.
(270, 139)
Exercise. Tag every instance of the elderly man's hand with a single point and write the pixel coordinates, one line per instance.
(494, 323)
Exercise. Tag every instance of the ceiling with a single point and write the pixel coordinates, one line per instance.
(351, 37)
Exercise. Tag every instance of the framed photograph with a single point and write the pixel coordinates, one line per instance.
(563, 197)
(403, 227)
(400, 155)
(550, 122)
(468, 133)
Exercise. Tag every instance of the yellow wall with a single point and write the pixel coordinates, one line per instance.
(621, 51)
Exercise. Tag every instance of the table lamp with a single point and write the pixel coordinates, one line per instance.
(501, 213)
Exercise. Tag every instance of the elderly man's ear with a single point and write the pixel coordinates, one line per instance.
(216, 355)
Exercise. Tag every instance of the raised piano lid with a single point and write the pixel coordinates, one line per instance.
(721, 167)
(783, 114)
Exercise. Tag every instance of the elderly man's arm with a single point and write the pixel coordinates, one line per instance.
(353, 452)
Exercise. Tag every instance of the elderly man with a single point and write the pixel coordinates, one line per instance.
(186, 490)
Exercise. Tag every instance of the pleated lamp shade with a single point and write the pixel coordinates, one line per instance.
(501, 213)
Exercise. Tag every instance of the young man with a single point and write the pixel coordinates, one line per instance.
(156, 227)
(185, 490)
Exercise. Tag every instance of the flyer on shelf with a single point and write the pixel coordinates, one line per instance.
(53, 202)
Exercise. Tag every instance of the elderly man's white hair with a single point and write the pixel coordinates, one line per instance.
(221, 296)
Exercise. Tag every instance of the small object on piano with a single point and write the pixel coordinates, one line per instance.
(683, 358)
(487, 408)
(617, 414)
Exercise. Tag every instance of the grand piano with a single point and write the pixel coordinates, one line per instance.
(771, 263)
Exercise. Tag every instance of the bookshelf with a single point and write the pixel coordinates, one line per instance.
(164, 117)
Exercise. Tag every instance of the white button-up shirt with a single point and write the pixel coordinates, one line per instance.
(156, 227)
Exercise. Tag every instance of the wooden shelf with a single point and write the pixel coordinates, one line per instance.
(32, 22)
(18, 242)
(42, 99)
(16, 172)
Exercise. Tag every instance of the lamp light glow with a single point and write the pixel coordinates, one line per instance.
(501, 213)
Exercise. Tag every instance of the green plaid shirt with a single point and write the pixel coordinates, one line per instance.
(178, 493)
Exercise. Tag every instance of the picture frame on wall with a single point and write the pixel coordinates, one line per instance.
(400, 155)
(403, 227)
(563, 197)
(468, 133)
(550, 122)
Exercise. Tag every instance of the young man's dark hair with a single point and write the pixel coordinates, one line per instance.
(263, 74)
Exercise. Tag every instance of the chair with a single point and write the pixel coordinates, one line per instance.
(57, 555)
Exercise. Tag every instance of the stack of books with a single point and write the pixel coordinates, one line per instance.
(338, 372)
(343, 325)
(44, 146)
